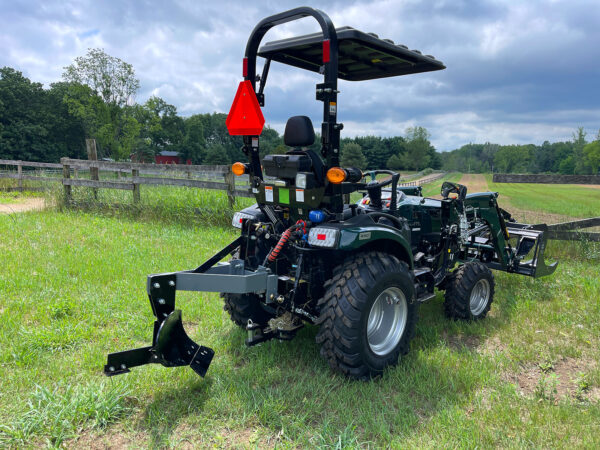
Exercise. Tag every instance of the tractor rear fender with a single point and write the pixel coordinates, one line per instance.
(377, 237)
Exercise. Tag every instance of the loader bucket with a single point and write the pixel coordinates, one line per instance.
(531, 238)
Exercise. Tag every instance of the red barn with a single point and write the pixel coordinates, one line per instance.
(166, 157)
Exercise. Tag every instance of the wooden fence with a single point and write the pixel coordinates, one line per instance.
(423, 181)
(128, 176)
(567, 231)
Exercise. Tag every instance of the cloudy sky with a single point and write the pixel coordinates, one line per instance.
(517, 71)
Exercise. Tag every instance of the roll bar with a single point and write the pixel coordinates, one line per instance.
(326, 92)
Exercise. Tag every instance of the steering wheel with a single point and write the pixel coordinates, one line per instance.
(374, 188)
(380, 184)
(453, 188)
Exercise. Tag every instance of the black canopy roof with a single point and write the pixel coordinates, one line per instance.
(362, 56)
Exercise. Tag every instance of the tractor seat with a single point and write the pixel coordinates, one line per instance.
(299, 134)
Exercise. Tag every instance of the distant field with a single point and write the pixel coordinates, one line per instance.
(566, 199)
(72, 286)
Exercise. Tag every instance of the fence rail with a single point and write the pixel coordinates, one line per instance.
(422, 181)
(564, 231)
(129, 176)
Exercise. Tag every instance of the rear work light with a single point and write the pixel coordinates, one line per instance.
(238, 217)
(323, 237)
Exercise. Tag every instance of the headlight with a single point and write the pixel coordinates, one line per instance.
(301, 180)
(238, 217)
(323, 237)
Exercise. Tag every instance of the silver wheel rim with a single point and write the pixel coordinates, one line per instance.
(387, 321)
(479, 296)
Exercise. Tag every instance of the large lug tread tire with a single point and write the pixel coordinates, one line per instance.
(459, 287)
(345, 306)
(244, 307)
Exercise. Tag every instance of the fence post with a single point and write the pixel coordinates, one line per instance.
(92, 156)
(66, 175)
(136, 186)
(230, 182)
(20, 175)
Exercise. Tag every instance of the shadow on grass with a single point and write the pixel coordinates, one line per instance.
(167, 409)
(287, 388)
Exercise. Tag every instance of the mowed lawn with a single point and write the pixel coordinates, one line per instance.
(72, 289)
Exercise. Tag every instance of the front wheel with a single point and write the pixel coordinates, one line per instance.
(368, 315)
(469, 292)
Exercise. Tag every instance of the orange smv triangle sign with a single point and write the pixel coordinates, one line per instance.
(245, 116)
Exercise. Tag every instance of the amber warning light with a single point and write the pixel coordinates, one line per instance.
(239, 168)
(245, 116)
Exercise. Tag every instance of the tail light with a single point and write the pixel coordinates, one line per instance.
(238, 217)
(323, 237)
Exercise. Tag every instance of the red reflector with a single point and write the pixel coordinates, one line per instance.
(321, 237)
(245, 68)
(326, 53)
(241, 220)
(245, 116)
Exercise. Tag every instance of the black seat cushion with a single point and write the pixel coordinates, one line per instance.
(299, 132)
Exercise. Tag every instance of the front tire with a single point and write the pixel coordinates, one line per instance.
(469, 292)
(368, 315)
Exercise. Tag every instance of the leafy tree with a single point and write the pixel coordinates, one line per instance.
(579, 142)
(193, 142)
(271, 142)
(395, 163)
(109, 77)
(216, 155)
(101, 95)
(592, 156)
(418, 148)
(352, 156)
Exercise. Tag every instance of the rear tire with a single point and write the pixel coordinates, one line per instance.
(469, 292)
(368, 315)
(244, 307)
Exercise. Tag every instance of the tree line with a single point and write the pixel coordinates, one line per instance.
(96, 99)
(575, 157)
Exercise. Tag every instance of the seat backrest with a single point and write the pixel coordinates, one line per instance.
(299, 132)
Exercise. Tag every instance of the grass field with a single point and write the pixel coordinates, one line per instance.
(72, 289)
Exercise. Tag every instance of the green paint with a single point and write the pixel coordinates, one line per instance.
(284, 196)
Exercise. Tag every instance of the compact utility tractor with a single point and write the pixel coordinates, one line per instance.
(306, 254)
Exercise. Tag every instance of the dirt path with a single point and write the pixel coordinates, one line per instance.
(474, 183)
(26, 205)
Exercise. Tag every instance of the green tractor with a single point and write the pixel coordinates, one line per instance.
(306, 254)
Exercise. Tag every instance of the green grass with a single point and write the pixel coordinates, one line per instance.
(570, 200)
(72, 286)
(431, 189)
(17, 197)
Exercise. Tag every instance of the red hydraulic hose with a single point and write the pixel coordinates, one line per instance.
(282, 241)
(285, 236)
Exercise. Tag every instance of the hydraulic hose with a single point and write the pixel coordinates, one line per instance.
(285, 236)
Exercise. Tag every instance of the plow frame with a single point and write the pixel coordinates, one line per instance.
(171, 346)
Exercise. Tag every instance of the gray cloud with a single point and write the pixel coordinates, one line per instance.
(517, 71)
